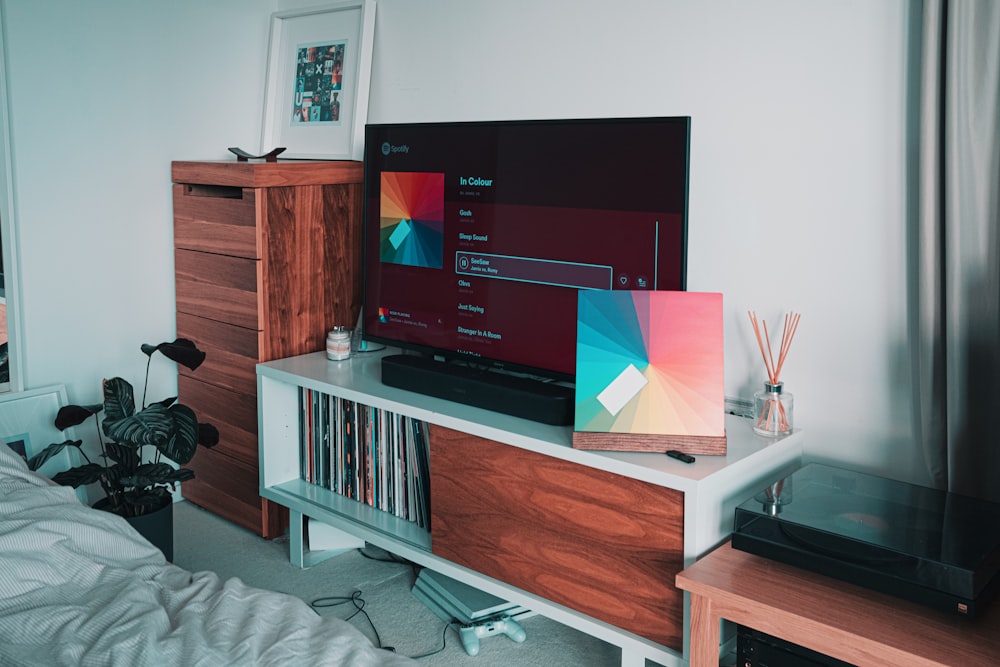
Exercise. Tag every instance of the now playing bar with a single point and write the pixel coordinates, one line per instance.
(531, 270)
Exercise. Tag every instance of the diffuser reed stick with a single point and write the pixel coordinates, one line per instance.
(773, 417)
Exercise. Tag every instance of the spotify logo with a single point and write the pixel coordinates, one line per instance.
(389, 148)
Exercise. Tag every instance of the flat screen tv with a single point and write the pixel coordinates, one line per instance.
(478, 236)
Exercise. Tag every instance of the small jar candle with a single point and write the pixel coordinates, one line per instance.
(772, 409)
(338, 344)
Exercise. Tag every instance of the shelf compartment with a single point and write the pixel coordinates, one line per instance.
(371, 524)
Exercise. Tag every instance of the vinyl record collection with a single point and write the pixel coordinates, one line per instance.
(367, 454)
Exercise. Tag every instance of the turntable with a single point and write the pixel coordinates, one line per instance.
(932, 547)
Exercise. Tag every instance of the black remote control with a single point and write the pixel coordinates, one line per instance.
(680, 456)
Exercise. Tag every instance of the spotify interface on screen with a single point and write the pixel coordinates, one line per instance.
(485, 233)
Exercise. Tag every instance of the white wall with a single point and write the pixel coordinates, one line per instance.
(103, 95)
(797, 156)
(796, 163)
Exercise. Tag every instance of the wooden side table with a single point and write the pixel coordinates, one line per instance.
(837, 619)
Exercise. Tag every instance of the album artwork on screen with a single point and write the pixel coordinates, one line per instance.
(479, 235)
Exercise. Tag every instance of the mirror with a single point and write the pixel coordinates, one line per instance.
(10, 376)
(4, 358)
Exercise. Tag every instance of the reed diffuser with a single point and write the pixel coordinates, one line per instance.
(773, 406)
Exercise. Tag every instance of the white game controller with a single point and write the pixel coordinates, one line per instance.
(472, 633)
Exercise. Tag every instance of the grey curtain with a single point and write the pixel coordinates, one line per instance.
(954, 246)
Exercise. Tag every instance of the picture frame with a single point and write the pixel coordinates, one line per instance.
(27, 425)
(318, 75)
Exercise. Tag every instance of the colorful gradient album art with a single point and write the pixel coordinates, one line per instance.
(412, 218)
(650, 362)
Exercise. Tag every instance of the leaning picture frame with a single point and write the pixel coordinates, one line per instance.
(318, 75)
(27, 425)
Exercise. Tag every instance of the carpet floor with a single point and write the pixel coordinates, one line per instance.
(374, 580)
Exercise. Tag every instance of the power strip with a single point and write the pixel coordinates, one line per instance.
(739, 407)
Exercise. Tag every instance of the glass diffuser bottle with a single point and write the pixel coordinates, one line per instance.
(772, 409)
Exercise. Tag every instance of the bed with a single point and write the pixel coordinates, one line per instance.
(79, 587)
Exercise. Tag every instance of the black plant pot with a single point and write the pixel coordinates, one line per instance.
(157, 526)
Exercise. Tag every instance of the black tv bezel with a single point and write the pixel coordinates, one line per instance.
(482, 362)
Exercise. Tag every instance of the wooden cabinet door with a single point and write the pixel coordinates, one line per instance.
(600, 543)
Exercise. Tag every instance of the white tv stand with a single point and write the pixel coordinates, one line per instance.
(705, 494)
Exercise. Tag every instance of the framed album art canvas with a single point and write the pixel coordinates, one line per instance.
(649, 372)
(318, 75)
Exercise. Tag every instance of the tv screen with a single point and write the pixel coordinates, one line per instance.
(478, 235)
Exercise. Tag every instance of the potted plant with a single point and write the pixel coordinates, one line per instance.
(135, 479)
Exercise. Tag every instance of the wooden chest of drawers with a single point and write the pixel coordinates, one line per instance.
(267, 260)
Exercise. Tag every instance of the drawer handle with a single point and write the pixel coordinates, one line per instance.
(215, 191)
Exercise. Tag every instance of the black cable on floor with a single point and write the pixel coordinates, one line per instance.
(444, 642)
(359, 606)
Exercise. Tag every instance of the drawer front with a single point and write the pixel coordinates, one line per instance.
(233, 414)
(227, 486)
(217, 287)
(600, 543)
(231, 353)
(216, 219)
(265, 518)
(236, 478)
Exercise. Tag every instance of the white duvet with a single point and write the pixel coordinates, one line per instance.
(79, 587)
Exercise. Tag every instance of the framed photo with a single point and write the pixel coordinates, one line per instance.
(27, 425)
(318, 75)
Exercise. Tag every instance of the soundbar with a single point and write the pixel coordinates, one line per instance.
(545, 402)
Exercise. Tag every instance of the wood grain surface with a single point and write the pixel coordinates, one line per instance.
(851, 623)
(267, 174)
(600, 543)
(642, 442)
(267, 260)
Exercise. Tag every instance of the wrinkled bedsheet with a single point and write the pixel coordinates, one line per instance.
(80, 587)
